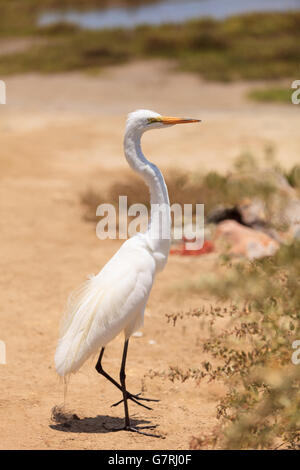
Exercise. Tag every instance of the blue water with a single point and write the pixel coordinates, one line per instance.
(166, 11)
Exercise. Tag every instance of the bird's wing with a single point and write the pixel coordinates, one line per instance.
(104, 306)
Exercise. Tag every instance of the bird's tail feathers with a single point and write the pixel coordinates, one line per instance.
(74, 346)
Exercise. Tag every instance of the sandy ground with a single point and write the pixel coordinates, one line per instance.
(58, 136)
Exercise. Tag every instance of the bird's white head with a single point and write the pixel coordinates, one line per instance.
(143, 120)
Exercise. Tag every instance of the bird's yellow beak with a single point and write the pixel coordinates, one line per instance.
(175, 120)
(172, 120)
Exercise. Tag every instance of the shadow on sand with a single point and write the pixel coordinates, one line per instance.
(99, 424)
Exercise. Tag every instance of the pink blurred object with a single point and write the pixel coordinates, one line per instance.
(244, 241)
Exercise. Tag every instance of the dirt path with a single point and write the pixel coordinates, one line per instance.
(57, 135)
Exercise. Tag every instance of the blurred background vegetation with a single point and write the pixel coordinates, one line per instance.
(252, 353)
(252, 46)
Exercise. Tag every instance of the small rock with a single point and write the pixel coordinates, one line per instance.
(138, 334)
(252, 212)
(244, 241)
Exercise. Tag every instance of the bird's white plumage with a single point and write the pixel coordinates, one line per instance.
(110, 302)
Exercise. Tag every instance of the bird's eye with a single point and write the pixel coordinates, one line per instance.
(152, 120)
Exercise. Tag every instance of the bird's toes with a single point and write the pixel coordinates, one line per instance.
(139, 430)
(138, 397)
(134, 400)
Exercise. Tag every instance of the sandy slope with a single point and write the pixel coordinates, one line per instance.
(57, 135)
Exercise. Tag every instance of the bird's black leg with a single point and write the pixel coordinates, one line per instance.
(128, 426)
(101, 371)
(123, 384)
(130, 395)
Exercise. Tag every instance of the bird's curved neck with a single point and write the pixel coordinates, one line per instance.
(159, 229)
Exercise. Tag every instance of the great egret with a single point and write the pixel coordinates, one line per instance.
(114, 300)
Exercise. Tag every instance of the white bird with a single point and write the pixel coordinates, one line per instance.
(115, 299)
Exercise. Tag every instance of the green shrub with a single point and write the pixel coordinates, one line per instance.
(255, 46)
(271, 95)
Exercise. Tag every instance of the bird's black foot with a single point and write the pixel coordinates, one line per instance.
(136, 399)
(139, 430)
